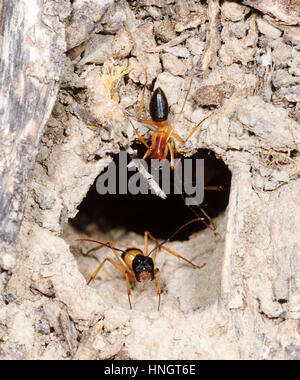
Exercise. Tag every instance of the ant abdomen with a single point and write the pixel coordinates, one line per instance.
(159, 108)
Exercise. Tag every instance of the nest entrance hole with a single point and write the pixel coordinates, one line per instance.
(162, 217)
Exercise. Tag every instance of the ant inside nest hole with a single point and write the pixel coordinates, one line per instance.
(121, 221)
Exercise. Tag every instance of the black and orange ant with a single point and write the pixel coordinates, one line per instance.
(162, 140)
(138, 265)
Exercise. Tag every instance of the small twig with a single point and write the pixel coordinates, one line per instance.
(149, 178)
(213, 41)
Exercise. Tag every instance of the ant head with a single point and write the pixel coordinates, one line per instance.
(143, 268)
(159, 107)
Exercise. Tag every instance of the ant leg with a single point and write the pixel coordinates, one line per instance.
(150, 148)
(121, 270)
(116, 265)
(157, 272)
(108, 244)
(181, 257)
(143, 141)
(120, 267)
(119, 259)
(139, 136)
(128, 289)
(147, 154)
(153, 145)
(177, 137)
(195, 128)
(125, 272)
(169, 146)
(121, 264)
(171, 154)
(218, 188)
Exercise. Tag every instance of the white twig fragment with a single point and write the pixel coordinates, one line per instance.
(213, 41)
(149, 178)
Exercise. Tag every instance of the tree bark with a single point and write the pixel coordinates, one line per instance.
(32, 46)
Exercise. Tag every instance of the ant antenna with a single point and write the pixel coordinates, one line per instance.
(185, 99)
(106, 245)
(179, 229)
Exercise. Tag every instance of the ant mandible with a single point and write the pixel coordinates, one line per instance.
(137, 265)
(162, 142)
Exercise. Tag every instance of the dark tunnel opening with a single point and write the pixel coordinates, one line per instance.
(162, 217)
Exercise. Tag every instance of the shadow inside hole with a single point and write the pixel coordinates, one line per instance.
(139, 213)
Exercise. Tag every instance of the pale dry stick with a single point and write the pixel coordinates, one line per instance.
(148, 177)
(213, 42)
